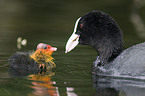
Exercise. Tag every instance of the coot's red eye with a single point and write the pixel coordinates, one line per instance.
(81, 25)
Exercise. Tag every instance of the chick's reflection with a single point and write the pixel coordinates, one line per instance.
(43, 85)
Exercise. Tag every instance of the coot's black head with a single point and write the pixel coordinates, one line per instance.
(99, 30)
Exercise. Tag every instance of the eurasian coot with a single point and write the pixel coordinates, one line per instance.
(100, 30)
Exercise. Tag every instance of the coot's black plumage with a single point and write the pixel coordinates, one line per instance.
(100, 30)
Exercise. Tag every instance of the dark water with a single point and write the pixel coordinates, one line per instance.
(52, 22)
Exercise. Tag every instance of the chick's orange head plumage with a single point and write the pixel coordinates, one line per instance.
(43, 54)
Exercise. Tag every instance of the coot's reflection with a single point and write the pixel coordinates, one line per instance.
(115, 86)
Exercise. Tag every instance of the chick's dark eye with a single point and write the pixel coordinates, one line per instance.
(81, 25)
(45, 47)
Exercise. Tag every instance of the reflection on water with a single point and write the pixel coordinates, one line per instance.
(116, 86)
(43, 85)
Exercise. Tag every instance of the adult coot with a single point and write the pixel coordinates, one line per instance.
(24, 63)
(100, 30)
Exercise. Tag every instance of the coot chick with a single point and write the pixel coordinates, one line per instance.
(33, 61)
(100, 30)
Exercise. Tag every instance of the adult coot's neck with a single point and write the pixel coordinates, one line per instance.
(100, 30)
(107, 36)
(108, 48)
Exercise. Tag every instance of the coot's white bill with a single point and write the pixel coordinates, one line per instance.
(73, 41)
